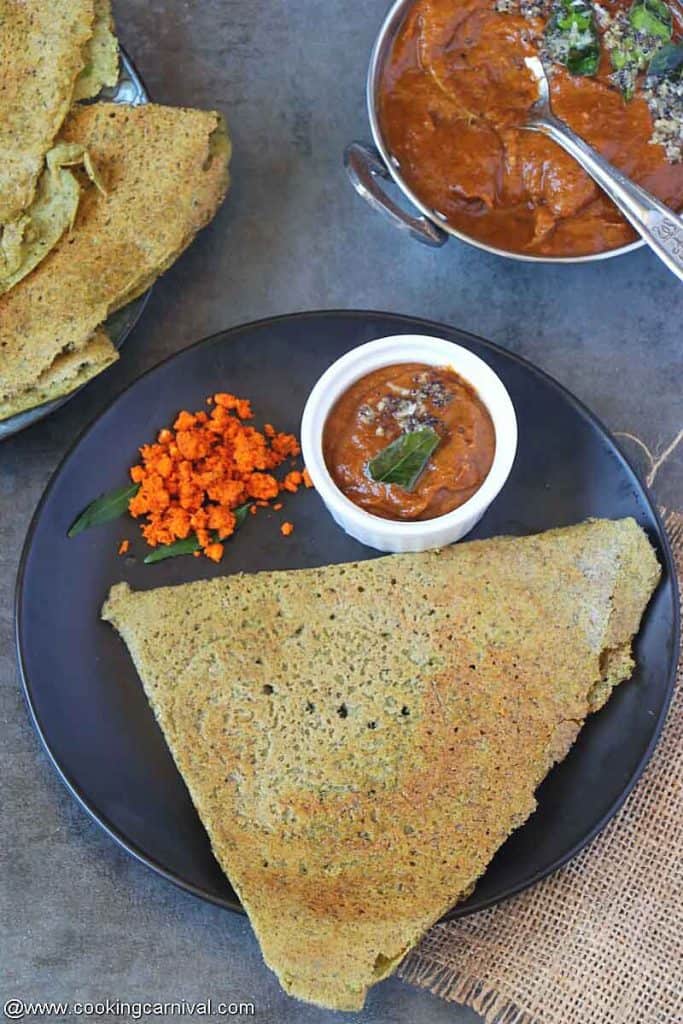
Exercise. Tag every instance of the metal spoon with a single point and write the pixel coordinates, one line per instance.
(659, 226)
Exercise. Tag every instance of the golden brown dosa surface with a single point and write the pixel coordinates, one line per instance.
(360, 739)
(27, 241)
(165, 171)
(69, 371)
(42, 49)
(101, 60)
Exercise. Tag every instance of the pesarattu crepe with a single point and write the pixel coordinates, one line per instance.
(69, 371)
(101, 59)
(26, 242)
(30, 234)
(163, 172)
(42, 48)
(360, 739)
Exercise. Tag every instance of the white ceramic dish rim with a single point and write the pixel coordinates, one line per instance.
(385, 38)
(405, 348)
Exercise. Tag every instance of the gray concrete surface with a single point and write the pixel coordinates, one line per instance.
(80, 919)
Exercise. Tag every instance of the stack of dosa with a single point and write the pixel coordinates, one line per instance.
(43, 45)
(101, 64)
(165, 172)
(51, 53)
(95, 201)
(360, 739)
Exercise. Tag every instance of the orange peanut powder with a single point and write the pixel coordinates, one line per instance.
(196, 474)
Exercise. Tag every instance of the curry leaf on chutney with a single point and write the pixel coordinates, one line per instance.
(104, 509)
(403, 461)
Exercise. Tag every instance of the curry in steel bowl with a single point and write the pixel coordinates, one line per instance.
(454, 91)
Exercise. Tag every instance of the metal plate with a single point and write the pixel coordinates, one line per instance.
(86, 699)
(129, 89)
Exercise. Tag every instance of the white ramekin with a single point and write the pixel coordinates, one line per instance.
(387, 534)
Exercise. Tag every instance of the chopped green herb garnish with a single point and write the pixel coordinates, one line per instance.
(651, 18)
(634, 39)
(404, 460)
(571, 37)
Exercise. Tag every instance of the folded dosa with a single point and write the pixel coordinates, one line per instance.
(165, 172)
(101, 56)
(28, 240)
(360, 739)
(42, 49)
(69, 371)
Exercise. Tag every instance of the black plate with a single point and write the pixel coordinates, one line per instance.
(85, 696)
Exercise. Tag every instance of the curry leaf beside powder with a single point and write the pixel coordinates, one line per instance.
(115, 504)
(403, 461)
(189, 545)
(104, 509)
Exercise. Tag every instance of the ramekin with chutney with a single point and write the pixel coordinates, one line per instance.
(408, 440)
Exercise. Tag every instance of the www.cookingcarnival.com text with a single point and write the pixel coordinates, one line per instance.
(27, 1010)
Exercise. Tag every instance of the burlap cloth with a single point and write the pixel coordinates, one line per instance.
(599, 942)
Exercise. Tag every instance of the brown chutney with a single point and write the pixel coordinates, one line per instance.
(399, 399)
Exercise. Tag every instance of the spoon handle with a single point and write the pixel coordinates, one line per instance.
(661, 228)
